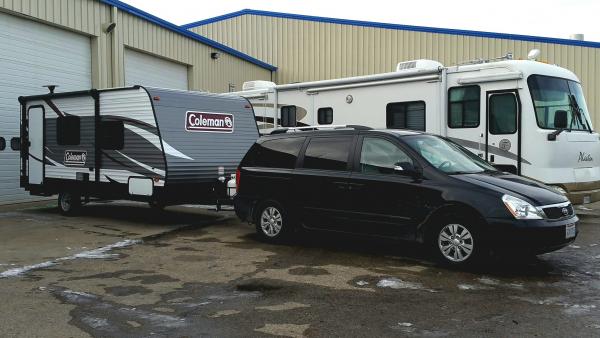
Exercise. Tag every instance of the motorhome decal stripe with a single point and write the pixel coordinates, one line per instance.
(145, 166)
(491, 149)
(35, 158)
(115, 160)
(54, 162)
(147, 125)
(110, 179)
(54, 107)
(152, 138)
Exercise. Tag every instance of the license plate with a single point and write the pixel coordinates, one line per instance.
(570, 231)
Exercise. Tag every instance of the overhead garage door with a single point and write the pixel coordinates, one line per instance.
(33, 55)
(147, 70)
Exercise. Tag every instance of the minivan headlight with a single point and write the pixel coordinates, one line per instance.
(521, 209)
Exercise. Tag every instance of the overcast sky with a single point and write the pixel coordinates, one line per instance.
(553, 18)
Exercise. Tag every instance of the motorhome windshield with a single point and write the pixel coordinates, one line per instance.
(447, 156)
(552, 94)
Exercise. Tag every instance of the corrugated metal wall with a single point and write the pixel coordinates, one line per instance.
(88, 16)
(308, 50)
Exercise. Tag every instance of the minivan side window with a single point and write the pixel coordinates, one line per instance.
(325, 115)
(279, 153)
(379, 156)
(406, 115)
(503, 113)
(328, 153)
(288, 116)
(463, 107)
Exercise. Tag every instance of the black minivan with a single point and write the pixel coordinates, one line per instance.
(397, 184)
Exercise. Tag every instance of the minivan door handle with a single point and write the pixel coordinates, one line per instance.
(341, 185)
(355, 186)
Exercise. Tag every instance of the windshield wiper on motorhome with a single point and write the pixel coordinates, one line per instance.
(577, 112)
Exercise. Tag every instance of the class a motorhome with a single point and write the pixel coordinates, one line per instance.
(162, 146)
(523, 116)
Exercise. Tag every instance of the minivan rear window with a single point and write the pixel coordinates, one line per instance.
(328, 153)
(278, 153)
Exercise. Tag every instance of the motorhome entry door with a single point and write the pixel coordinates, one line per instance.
(35, 118)
(503, 130)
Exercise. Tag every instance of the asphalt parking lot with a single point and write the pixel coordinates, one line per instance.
(123, 270)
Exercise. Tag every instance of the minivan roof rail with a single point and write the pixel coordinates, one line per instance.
(319, 127)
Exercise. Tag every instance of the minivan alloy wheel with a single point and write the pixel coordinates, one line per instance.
(455, 243)
(271, 221)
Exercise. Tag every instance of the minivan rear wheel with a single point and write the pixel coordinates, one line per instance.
(272, 223)
(457, 243)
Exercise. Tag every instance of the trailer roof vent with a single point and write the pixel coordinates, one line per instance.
(418, 64)
(258, 84)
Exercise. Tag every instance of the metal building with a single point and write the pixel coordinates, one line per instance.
(313, 48)
(80, 44)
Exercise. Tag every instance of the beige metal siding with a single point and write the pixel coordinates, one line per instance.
(88, 16)
(307, 50)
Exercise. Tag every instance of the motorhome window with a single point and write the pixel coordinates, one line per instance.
(2, 143)
(280, 153)
(406, 115)
(15, 143)
(552, 94)
(463, 107)
(68, 130)
(288, 116)
(325, 115)
(328, 153)
(379, 156)
(112, 135)
(503, 114)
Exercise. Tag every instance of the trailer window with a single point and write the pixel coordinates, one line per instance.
(281, 153)
(325, 115)
(68, 130)
(15, 143)
(328, 153)
(503, 114)
(463, 107)
(288, 116)
(406, 115)
(2, 143)
(112, 135)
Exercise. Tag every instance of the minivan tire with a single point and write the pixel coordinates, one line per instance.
(272, 222)
(68, 203)
(457, 242)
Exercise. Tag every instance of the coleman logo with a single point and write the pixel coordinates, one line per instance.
(208, 122)
(75, 157)
(583, 157)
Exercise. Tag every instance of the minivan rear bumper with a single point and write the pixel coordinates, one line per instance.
(534, 236)
(243, 208)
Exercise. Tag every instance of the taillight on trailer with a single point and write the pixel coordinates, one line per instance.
(237, 179)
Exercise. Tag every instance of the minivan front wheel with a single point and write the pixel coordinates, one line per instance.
(457, 243)
(271, 222)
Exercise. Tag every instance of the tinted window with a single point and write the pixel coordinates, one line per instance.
(463, 107)
(112, 135)
(288, 116)
(325, 115)
(281, 153)
(329, 153)
(503, 114)
(68, 130)
(2, 143)
(379, 156)
(406, 115)
(15, 143)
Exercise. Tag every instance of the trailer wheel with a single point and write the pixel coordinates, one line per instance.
(68, 203)
(272, 222)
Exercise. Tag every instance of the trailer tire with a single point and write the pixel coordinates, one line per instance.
(68, 203)
(272, 222)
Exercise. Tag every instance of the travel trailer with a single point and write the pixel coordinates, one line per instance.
(148, 144)
(522, 116)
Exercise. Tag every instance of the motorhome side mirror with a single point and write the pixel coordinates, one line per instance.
(560, 119)
(406, 169)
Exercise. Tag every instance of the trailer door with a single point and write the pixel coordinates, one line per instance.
(503, 148)
(35, 132)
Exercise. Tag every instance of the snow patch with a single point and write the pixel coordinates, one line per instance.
(99, 253)
(396, 283)
(362, 283)
(488, 281)
(95, 323)
(473, 287)
(574, 246)
(577, 309)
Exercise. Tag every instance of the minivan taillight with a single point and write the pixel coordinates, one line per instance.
(237, 179)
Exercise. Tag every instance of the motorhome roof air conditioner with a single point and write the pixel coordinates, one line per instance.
(418, 64)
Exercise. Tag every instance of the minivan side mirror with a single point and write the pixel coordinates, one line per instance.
(406, 169)
(560, 119)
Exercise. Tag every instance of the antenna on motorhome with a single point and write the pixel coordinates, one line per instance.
(507, 56)
(51, 88)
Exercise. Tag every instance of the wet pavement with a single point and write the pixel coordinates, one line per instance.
(123, 270)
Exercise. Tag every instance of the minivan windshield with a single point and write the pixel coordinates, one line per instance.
(447, 156)
(552, 94)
